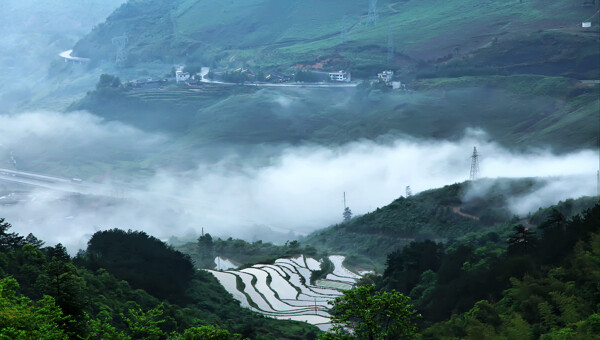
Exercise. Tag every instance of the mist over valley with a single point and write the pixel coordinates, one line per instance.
(249, 169)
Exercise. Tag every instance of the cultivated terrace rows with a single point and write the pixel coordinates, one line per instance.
(283, 290)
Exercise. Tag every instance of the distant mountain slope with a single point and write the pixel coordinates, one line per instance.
(517, 111)
(282, 33)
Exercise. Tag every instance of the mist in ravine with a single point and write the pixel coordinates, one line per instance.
(293, 191)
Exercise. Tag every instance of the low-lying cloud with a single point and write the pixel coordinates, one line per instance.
(294, 191)
(73, 139)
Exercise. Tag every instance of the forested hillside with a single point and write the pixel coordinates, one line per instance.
(539, 283)
(444, 214)
(528, 282)
(126, 285)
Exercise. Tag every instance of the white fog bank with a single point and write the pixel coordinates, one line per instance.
(300, 192)
(297, 191)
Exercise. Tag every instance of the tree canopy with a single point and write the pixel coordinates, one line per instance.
(369, 314)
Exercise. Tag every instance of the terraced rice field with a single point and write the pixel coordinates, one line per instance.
(283, 290)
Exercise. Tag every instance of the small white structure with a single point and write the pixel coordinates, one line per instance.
(396, 85)
(386, 76)
(181, 76)
(586, 24)
(340, 76)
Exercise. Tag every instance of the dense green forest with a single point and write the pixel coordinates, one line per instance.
(126, 285)
(540, 283)
(528, 283)
(206, 249)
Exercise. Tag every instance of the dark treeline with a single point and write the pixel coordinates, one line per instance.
(126, 285)
(207, 248)
(538, 283)
(530, 283)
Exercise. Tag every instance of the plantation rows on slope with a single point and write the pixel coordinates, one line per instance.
(283, 290)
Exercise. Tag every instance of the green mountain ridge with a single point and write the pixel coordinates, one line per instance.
(277, 34)
(452, 212)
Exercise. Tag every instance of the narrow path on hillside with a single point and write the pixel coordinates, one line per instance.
(457, 211)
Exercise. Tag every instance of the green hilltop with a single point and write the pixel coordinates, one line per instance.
(464, 211)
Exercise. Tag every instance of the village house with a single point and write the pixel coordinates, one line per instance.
(340, 76)
(181, 76)
(386, 76)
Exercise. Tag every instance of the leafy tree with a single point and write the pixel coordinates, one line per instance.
(21, 319)
(34, 241)
(61, 281)
(373, 315)
(101, 328)
(207, 333)
(522, 241)
(8, 240)
(404, 267)
(347, 214)
(145, 325)
(108, 81)
(142, 260)
(206, 250)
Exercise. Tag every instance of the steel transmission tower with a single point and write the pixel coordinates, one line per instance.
(373, 16)
(474, 165)
(120, 42)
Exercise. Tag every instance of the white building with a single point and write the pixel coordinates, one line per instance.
(340, 76)
(586, 24)
(181, 76)
(386, 76)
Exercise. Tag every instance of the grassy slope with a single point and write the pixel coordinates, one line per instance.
(281, 33)
(517, 111)
(478, 85)
(429, 215)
